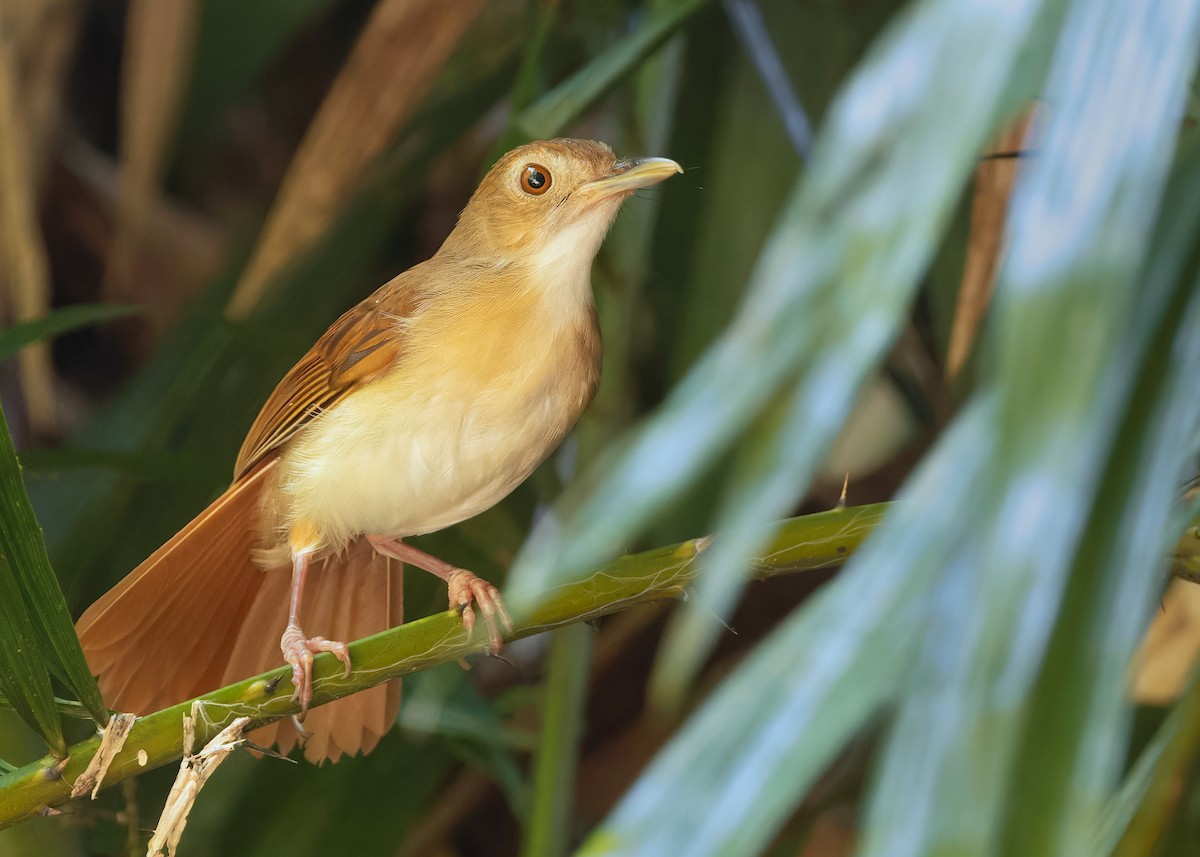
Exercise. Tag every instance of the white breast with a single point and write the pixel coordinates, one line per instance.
(430, 448)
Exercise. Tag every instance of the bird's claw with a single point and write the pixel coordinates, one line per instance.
(465, 588)
(298, 650)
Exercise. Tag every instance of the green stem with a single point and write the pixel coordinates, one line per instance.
(810, 542)
(548, 831)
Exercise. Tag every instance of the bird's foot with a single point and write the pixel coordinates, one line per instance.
(465, 587)
(298, 650)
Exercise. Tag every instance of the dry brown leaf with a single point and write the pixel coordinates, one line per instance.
(994, 180)
(45, 33)
(24, 269)
(1169, 650)
(833, 834)
(397, 57)
(160, 36)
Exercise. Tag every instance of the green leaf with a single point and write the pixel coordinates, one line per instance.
(1134, 817)
(1074, 746)
(548, 829)
(58, 322)
(235, 43)
(567, 102)
(443, 703)
(736, 770)
(68, 707)
(33, 580)
(24, 679)
(539, 24)
(1018, 705)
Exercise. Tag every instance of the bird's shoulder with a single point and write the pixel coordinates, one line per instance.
(367, 340)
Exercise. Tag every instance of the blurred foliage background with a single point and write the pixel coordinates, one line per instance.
(837, 284)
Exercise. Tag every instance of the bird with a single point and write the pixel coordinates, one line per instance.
(420, 407)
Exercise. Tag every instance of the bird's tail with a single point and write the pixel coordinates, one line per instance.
(199, 614)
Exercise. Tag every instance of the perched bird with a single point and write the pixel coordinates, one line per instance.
(422, 406)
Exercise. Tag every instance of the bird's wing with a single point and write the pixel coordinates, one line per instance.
(362, 344)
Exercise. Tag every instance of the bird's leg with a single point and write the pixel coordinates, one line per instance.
(298, 648)
(463, 587)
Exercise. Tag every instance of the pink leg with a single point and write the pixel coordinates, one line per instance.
(463, 587)
(298, 648)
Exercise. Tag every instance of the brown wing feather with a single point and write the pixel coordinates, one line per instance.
(366, 341)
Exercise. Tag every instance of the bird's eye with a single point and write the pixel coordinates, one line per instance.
(535, 179)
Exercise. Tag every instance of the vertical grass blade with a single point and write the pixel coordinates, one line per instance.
(549, 827)
(566, 102)
(1074, 746)
(23, 676)
(1140, 812)
(1071, 326)
(235, 42)
(540, 18)
(734, 773)
(38, 590)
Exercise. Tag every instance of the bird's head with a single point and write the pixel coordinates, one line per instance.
(551, 202)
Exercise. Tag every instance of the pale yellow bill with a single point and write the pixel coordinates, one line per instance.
(640, 173)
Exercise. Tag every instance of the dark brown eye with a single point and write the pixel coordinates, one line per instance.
(535, 179)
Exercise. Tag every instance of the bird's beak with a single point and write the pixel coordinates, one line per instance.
(629, 175)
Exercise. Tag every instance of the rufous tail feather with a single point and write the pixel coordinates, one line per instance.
(199, 614)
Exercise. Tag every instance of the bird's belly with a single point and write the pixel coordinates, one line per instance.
(415, 462)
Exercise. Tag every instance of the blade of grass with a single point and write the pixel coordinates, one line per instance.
(1139, 814)
(68, 707)
(236, 41)
(58, 322)
(24, 679)
(748, 24)
(1071, 325)
(1080, 718)
(736, 770)
(21, 542)
(548, 828)
(566, 102)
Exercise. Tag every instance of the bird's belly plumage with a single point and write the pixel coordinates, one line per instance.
(426, 448)
(416, 465)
